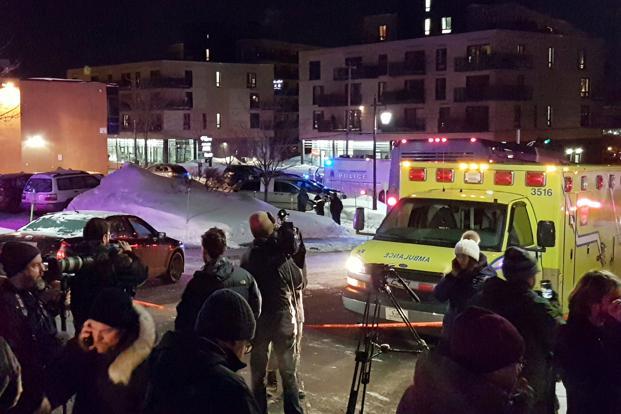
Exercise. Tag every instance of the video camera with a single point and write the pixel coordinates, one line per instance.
(287, 234)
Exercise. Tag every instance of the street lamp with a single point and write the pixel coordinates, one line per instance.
(385, 118)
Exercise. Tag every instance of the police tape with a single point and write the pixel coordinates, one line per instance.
(383, 325)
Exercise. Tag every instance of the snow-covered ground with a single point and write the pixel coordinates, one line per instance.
(186, 215)
(5, 230)
(372, 219)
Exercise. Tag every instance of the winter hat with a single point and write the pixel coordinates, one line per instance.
(483, 341)
(519, 264)
(261, 225)
(227, 316)
(114, 307)
(15, 256)
(469, 248)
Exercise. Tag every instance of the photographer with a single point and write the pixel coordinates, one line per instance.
(111, 266)
(279, 278)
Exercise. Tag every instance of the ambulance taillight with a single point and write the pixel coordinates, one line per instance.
(535, 179)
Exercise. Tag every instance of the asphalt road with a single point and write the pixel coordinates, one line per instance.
(327, 353)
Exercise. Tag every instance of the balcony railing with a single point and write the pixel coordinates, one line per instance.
(405, 125)
(462, 125)
(360, 72)
(335, 125)
(493, 62)
(166, 82)
(154, 126)
(494, 93)
(403, 96)
(417, 67)
(338, 99)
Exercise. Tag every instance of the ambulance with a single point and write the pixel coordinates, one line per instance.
(567, 215)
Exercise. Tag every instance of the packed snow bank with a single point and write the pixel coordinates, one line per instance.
(5, 230)
(168, 207)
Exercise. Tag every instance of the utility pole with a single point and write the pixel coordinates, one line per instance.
(374, 152)
(135, 143)
(348, 113)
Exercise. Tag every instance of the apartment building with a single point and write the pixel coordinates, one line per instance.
(541, 79)
(166, 106)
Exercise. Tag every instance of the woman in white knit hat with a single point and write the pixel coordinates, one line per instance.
(469, 270)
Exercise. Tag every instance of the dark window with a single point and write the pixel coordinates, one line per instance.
(441, 59)
(521, 233)
(354, 62)
(120, 228)
(187, 121)
(253, 185)
(444, 117)
(204, 121)
(284, 187)
(137, 79)
(188, 77)
(317, 118)
(95, 78)
(142, 229)
(382, 65)
(154, 74)
(381, 87)
(585, 116)
(188, 100)
(517, 116)
(91, 182)
(39, 185)
(314, 70)
(414, 59)
(356, 89)
(251, 80)
(521, 49)
(441, 89)
(317, 92)
(255, 120)
(414, 84)
(254, 101)
(64, 184)
(477, 118)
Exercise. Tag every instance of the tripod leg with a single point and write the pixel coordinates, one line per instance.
(371, 340)
(404, 317)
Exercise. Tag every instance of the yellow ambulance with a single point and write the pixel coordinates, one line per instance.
(566, 214)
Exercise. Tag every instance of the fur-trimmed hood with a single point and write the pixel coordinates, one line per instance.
(121, 369)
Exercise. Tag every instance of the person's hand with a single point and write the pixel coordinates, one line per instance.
(455, 268)
(86, 336)
(53, 295)
(614, 309)
(125, 246)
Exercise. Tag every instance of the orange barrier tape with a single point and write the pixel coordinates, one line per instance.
(149, 304)
(384, 325)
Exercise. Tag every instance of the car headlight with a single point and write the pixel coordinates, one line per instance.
(354, 265)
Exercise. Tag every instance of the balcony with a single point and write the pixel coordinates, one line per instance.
(495, 61)
(338, 99)
(166, 82)
(403, 96)
(462, 125)
(494, 93)
(417, 67)
(178, 104)
(405, 125)
(286, 125)
(335, 125)
(360, 72)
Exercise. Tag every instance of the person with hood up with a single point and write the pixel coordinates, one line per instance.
(320, 204)
(479, 374)
(536, 318)
(218, 273)
(336, 208)
(469, 272)
(104, 366)
(196, 372)
(303, 199)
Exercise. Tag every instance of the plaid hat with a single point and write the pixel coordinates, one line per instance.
(15, 256)
(483, 341)
(114, 307)
(519, 264)
(227, 316)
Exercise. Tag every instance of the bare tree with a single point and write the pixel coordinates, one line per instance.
(269, 161)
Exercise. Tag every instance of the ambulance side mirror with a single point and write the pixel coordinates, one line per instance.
(546, 234)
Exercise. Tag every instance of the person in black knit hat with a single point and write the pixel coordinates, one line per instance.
(105, 366)
(196, 373)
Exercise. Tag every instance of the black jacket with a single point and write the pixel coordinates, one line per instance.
(538, 322)
(190, 375)
(336, 206)
(220, 274)
(459, 290)
(110, 268)
(113, 383)
(31, 332)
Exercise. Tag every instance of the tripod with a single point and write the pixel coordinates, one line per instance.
(369, 345)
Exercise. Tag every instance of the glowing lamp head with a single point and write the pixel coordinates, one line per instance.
(385, 117)
(392, 201)
(403, 141)
(328, 163)
(35, 141)
(473, 139)
(9, 95)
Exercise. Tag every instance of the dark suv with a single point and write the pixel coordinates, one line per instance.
(11, 187)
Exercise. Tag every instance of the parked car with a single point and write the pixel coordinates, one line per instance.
(235, 174)
(53, 191)
(171, 171)
(311, 186)
(11, 187)
(55, 233)
(281, 193)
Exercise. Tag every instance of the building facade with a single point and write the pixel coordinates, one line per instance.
(166, 106)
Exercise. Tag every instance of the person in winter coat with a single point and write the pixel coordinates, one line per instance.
(587, 354)
(26, 323)
(336, 207)
(303, 199)
(113, 266)
(10, 377)
(479, 374)
(218, 273)
(320, 204)
(470, 270)
(278, 278)
(105, 365)
(535, 318)
(196, 372)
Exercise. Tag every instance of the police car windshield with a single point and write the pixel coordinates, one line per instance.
(442, 222)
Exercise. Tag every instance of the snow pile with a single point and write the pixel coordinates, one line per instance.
(5, 230)
(167, 206)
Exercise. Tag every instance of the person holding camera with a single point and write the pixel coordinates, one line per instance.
(278, 276)
(104, 366)
(534, 316)
(217, 273)
(26, 323)
(113, 265)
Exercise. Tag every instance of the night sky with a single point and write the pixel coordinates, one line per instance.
(49, 36)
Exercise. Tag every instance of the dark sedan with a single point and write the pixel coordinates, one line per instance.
(55, 233)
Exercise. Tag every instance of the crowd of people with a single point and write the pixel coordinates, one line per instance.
(504, 343)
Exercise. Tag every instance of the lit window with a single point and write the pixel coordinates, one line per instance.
(521, 49)
(383, 32)
(585, 87)
(218, 120)
(427, 5)
(447, 25)
(126, 120)
(549, 115)
(582, 59)
(427, 27)
(218, 79)
(278, 84)
(251, 80)
(207, 55)
(550, 57)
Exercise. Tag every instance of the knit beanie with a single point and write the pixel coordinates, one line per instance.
(518, 264)
(468, 247)
(227, 316)
(483, 341)
(261, 225)
(15, 256)
(114, 307)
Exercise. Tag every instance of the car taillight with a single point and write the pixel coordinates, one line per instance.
(503, 178)
(50, 197)
(392, 200)
(418, 174)
(445, 175)
(599, 182)
(569, 184)
(535, 179)
(62, 250)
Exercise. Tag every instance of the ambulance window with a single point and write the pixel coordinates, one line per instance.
(521, 233)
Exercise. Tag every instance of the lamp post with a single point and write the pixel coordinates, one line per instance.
(385, 118)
